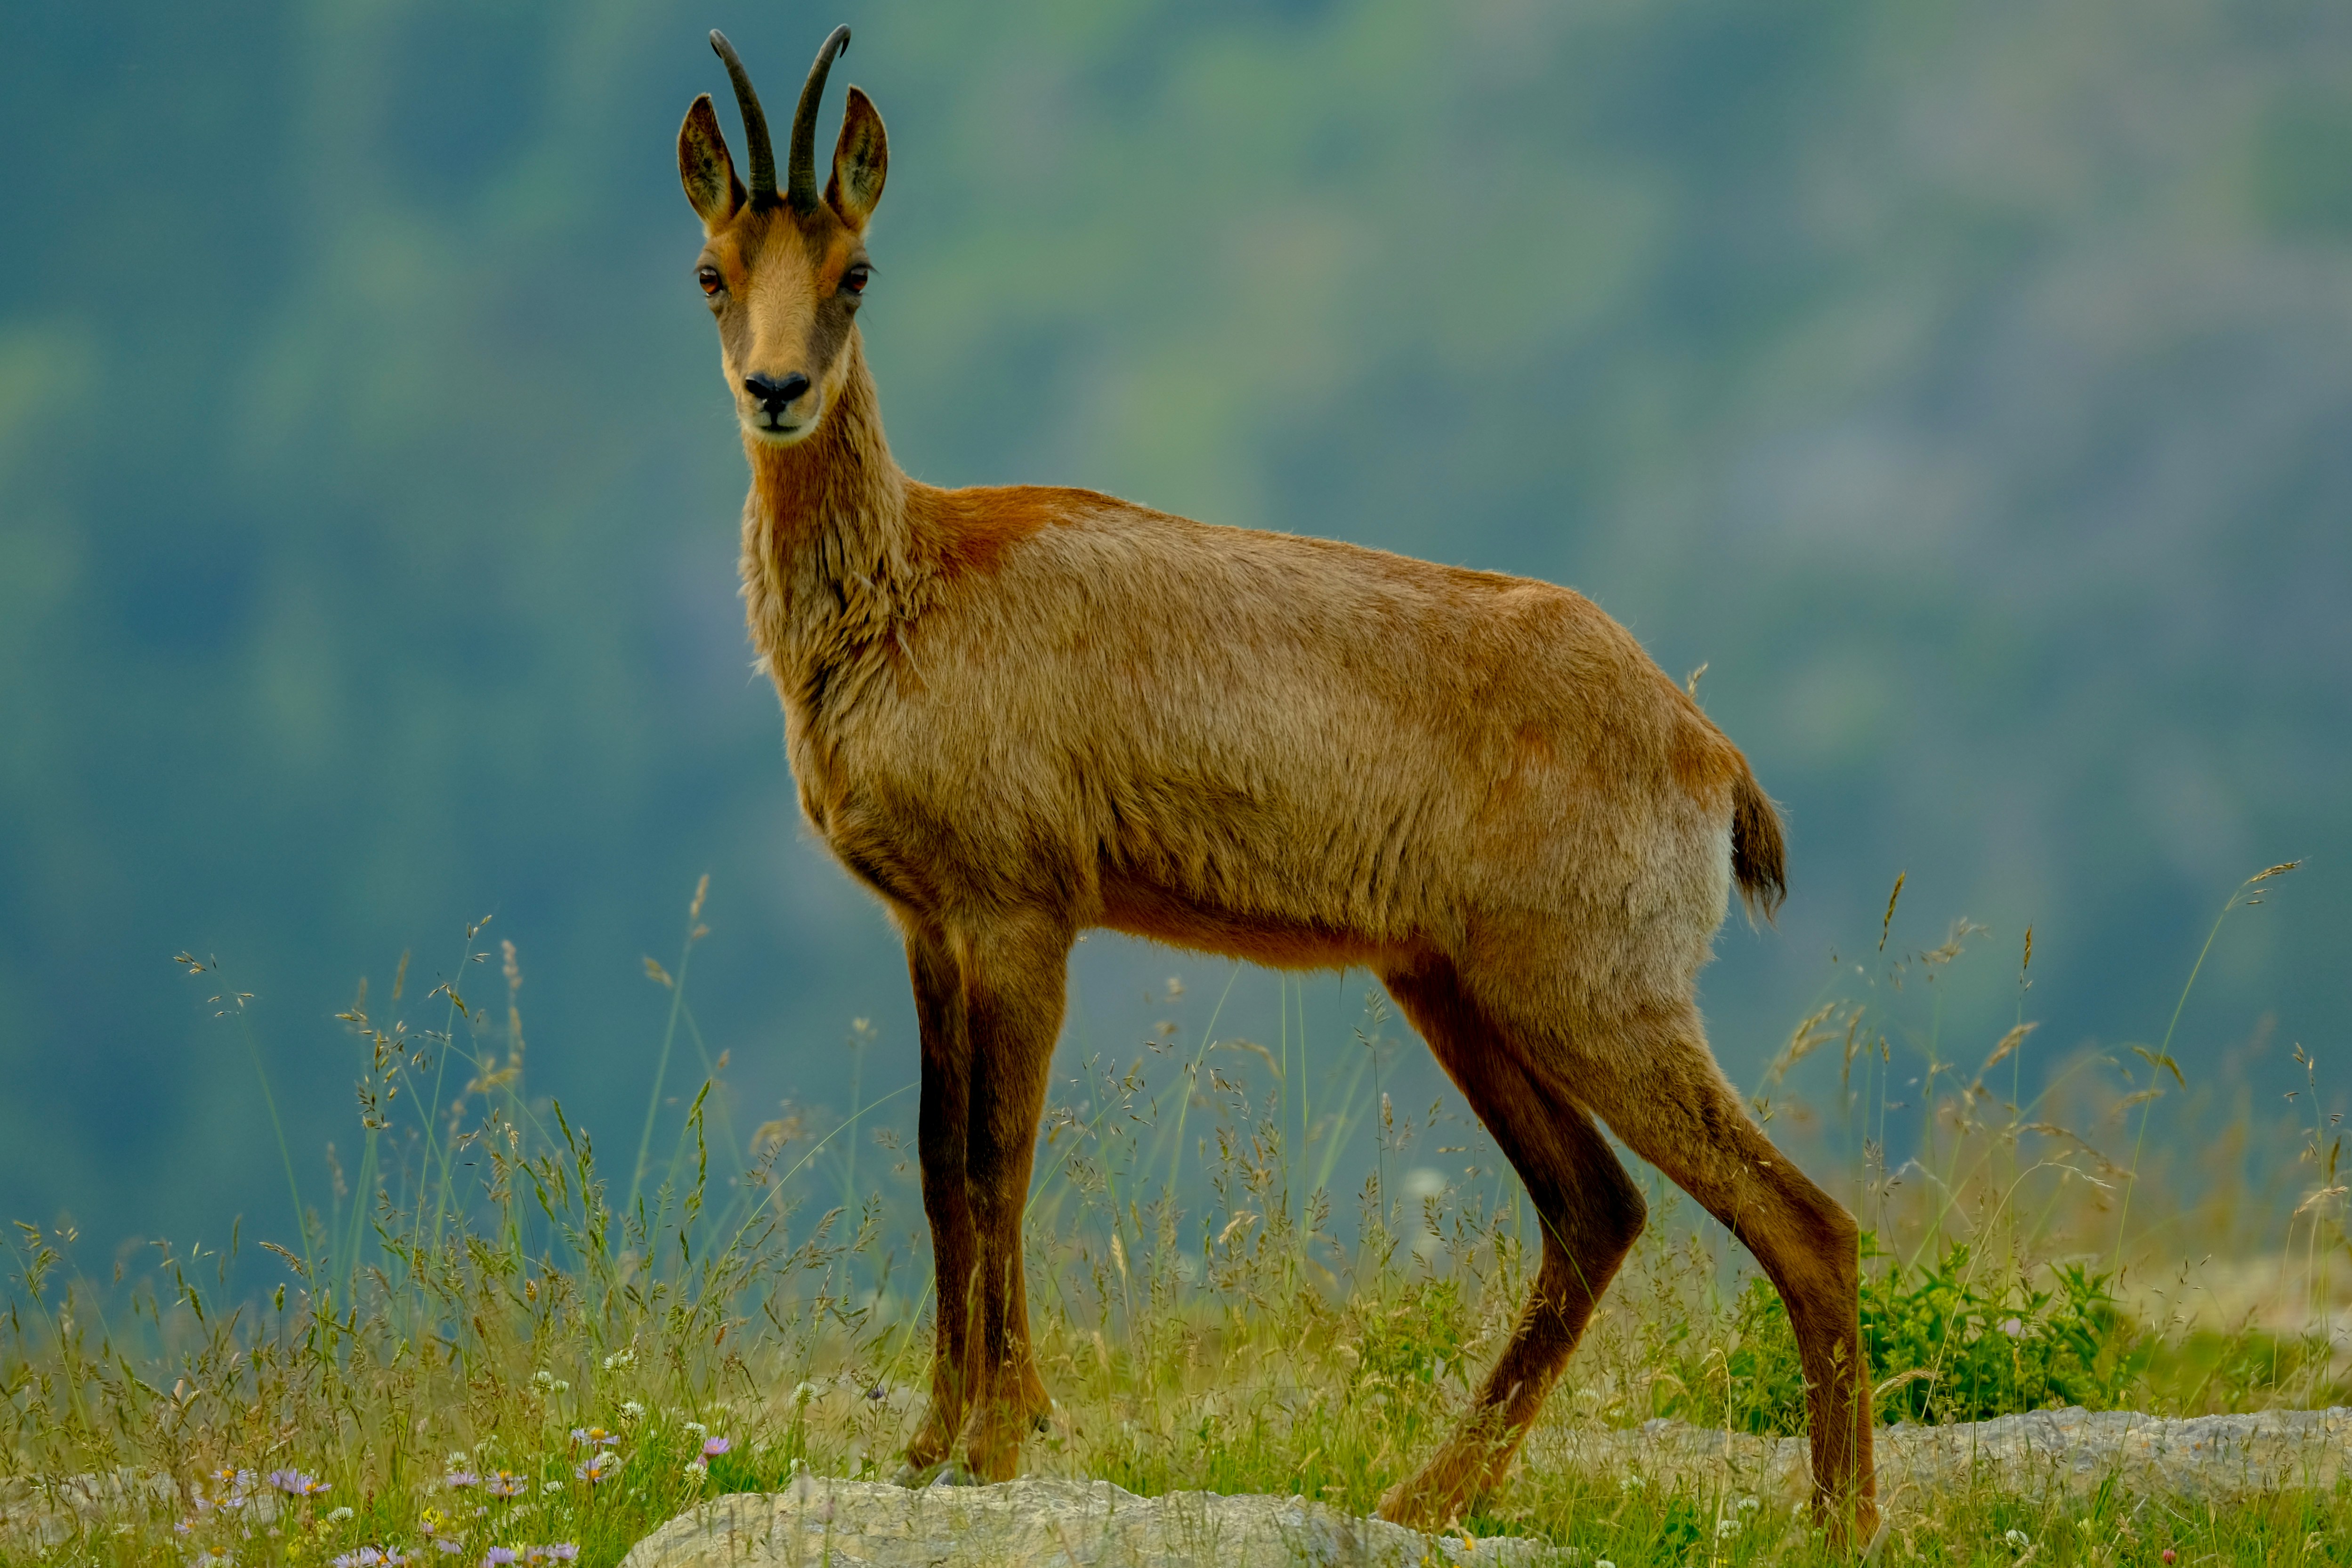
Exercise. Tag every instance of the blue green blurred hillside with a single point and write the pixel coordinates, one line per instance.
(1966, 384)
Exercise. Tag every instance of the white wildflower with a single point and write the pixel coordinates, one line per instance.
(338, 1515)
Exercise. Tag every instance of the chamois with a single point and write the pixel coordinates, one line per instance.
(1018, 714)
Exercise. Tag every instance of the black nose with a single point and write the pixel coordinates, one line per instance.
(775, 395)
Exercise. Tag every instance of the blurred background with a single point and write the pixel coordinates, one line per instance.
(1966, 384)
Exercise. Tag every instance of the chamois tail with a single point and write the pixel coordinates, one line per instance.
(1759, 855)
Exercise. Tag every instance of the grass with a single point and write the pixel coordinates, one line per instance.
(486, 1340)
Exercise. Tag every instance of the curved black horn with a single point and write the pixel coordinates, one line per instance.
(755, 123)
(803, 193)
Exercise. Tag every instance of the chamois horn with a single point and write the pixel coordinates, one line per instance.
(803, 192)
(755, 123)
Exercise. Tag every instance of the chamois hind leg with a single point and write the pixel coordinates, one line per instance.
(1652, 1078)
(1014, 974)
(955, 1245)
(1590, 1212)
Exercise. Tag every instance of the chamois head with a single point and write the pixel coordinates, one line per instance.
(784, 272)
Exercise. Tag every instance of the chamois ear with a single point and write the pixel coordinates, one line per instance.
(704, 169)
(860, 160)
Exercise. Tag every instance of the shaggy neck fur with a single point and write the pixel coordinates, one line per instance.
(830, 577)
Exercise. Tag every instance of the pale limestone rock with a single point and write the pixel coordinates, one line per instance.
(2206, 1458)
(2051, 1454)
(45, 1513)
(1044, 1524)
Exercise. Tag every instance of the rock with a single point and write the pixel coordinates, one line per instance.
(2047, 1454)
(1050, 1524)
(2206, 1458)
(43, 1514)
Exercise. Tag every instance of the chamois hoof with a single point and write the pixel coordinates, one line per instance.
(1872, 1553)
(944, 1473)
(914, 1477)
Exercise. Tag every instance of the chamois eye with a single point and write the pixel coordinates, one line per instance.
(855, 281)
(708, 277)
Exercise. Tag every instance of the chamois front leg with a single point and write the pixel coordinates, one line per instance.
(1014, 977)
(955, 1244)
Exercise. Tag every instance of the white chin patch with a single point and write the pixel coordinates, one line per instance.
(783, 435)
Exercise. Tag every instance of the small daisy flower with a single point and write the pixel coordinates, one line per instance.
(714, 1446)
(505, 1483)
(459, 1480)
(596, 1436)
(295, 1483)
(498, 1557)
(603, 1465)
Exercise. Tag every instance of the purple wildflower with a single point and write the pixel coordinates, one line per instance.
(595, 1436)
(714, 1446)
(458, 1479)
(497, 1556)
(294, 1483)
(603, 1465)
(505, 1483)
